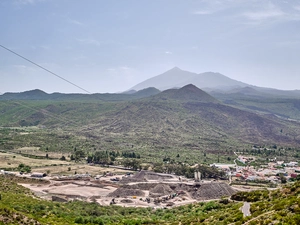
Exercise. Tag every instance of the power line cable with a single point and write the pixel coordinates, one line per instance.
(59, 117)
(45, 69)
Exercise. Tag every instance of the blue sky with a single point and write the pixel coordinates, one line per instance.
(109, 46)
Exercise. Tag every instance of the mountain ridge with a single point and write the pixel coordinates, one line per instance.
(207, 81)
(37, 94)
(187, 93)
(177, 77)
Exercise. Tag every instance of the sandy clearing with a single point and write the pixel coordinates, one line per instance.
(71, 190)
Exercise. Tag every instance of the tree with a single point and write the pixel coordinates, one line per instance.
(79, 154)
(134, 164)
(24, 168)
(101, 157)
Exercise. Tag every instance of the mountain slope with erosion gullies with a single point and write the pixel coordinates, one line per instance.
(172, 118)
(187, 117)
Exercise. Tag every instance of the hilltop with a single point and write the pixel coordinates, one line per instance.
(187, 93)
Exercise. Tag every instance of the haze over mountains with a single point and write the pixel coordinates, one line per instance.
(285, 104)
(176, 78)
(208, 81)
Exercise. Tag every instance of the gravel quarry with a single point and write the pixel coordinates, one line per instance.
(143, 189)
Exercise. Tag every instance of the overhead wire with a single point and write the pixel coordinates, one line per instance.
(49, 71)
(62, 119)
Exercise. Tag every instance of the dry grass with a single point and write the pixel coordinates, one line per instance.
(12, 160)
(36, 151)
(79, 168)
(52, 166)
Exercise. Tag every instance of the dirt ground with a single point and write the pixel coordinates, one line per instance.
(144, 189)
(12, 160)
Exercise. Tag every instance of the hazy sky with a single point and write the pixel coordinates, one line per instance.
(110, 45)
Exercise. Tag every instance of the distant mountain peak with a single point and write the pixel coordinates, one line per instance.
(187, 93)
(191, 92)
(175, 68)
(190, 87)
(176, 78)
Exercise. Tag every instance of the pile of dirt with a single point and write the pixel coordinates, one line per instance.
(126, 180)
(212, 191)
(160, 190)
(144, 176)
(125, 192)
(156, 176)
(139, 176)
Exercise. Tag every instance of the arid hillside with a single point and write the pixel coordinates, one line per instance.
(185, 117)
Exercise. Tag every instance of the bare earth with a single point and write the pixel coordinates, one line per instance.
(144, 189)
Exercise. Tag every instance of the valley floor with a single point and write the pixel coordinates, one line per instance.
(144, 189)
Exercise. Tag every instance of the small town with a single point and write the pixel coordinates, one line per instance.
(275, 172)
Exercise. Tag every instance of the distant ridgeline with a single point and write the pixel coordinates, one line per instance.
(187, 116)
(40, 95)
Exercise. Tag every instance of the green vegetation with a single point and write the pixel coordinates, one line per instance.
(164, 123)
(284, 106)
(279, 207)
(24, 168)
(168, 132)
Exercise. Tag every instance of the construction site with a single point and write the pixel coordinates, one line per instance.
(143, 189)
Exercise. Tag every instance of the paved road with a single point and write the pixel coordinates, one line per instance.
(246, 209)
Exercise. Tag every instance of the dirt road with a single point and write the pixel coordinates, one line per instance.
(246, 209)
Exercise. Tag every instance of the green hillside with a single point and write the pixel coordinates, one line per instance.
(287, 107)
(108, 97)
(185, 118)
